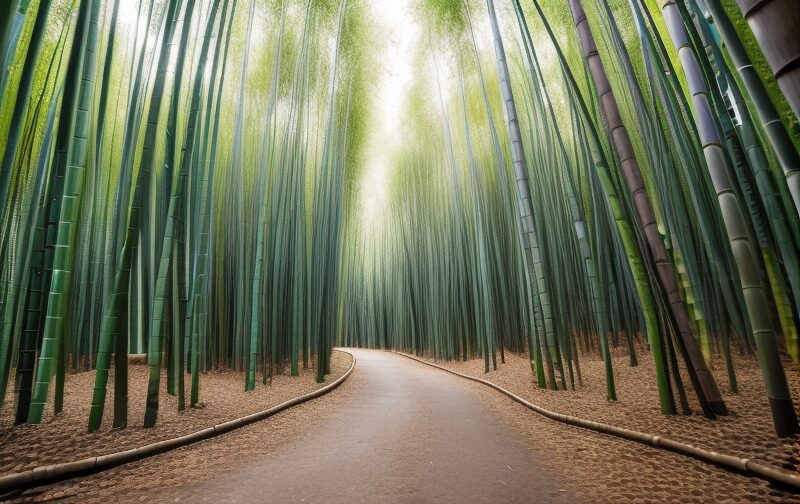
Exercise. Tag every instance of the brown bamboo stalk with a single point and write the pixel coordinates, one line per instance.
(705, 385)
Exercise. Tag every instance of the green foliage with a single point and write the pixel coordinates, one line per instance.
(443, 17)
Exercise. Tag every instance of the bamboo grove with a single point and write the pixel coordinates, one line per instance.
(173, 183)
(184, 179)
(589, 175)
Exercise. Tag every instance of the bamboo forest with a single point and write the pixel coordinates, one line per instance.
(409, 251)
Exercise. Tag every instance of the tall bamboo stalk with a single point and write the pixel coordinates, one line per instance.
(533, 257)
(784, 416)
(773, 126)
(53, 353)
(708, 393)
(774, 24)
(117, 309)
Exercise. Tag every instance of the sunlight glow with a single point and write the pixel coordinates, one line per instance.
(128, 10)
(395, 74)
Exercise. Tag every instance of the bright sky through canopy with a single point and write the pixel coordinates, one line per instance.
(400, 35)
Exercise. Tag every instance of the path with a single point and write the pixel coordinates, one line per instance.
(412, 435)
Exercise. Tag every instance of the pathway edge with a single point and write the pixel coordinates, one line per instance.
(53, 473)
(729, 462)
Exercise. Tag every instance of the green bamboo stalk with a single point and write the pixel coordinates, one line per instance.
(268, 158)
(175, 210)
(530, 238)
(22, 101)
(780, 400)
(638, 191)
(58, 302)
(116, 311)
(774, 128)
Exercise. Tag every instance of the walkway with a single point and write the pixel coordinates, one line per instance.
(412, 434)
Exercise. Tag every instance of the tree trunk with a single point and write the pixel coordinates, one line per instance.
(774, 128)
(111, 328)
(644, 208)
(533, 256)
(780, 399)
(774, 24)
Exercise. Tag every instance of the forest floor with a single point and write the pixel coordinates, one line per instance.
(64, 438)
(747, 432)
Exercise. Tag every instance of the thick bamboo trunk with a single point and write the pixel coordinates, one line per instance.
(52, 356)
(774, 128)
(116, 312)
(773, 213)
(21, 103)
(633, 177)
(774, 24)
(543, 101)
(780, 399)
(174, 213)
(533, 257)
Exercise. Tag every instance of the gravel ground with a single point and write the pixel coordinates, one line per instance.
(64, 438)
(747, 432)
(171, 477)
(602, 469)
(589, 467)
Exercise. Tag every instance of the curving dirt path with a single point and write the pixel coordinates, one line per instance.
(413, 435)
